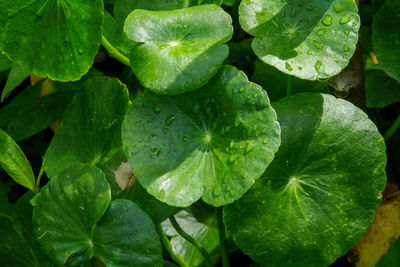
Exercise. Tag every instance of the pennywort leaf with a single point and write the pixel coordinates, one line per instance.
(212, 143)
(309, 39)
(319, 195)
(178, 50)
(14, 162)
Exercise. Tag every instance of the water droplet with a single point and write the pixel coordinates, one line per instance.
(321, 32)
(185, 138)
(265, 140)
(327, 20)
(231, 144)
(347, 31)
(250, 146)
(80, 51)
(216, 191)
(346, 48)
(157, 108)
(310, 7)
(339, 6)
(344, 19)
(196, 108)
(292, 13)
(241, 89)
(288, 66)
(309, 52)
(318, 45)
(227, 128)
(318, 65)
(170, 119)
(299, 68)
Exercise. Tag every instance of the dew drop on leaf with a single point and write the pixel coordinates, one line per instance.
(157, 108)
(347, 31)
(170, 119)
(344, 19)
(321, 32)
(250, 146)
(317, 65)
(327, 21)
(288, 67)
(318, 45)
(346, 48)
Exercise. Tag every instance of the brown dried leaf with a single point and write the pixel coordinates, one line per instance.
(124, 175)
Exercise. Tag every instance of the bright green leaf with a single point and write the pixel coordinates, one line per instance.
(17, 75)
(311, 39)
(380, 89)
(54, 38)
(319, 195)
(178, 50)
(275, 82)
(212, 143)
(125, 236)
(66, 210)
(14, 162)
(27, 114)
(386, 37)
(122, 8)
(90, 131)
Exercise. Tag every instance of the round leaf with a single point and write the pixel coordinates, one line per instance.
(319, 195)
(210, 143)
(66, 210)
(178, 50)
(386, 37)
(122, 8)
(125, 236)
(311, 39)
(55, 38)
(90, 131)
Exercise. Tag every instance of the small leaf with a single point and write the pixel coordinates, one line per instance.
(16, 76)
(319, 195)
(66, 210)
(178, 50)
(386, 37)
(212, 143)
(57, 39)
(308, 39)
(14, 162)
(125, 236)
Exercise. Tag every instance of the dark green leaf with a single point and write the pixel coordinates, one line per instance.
(115, 35)
(14, 162)
(178, 50)
(16, 76)
(386, 37)
(392, 256)
(5, 63)
(5, 205)
(381, 90)
(211, 143)
(90, 131)
(319, 195)
(58, 39)
(66, 210)
(311, 39)
(125, 236)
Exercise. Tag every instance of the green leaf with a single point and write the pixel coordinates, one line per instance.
(199, 222)
(66, 210)
(178, 50)
(58, 39)
(5, 63)
(381, 90)
(275, 82)
(157, 210)
(27, 114)
(319, 195)
(125, 236)
(5, 205)
(14, 162)
(16, 76)
(211, 143)
(122, 8)
(90, 131)
(391, 257)
(115, 35)
(309, 39)
(386, 37)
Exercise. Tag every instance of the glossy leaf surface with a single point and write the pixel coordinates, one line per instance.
(178, 50)
(90, 131)
(212, 143)
(309, 39)
(319, 195)
(14, 162)
(53, 38)
(386, 37)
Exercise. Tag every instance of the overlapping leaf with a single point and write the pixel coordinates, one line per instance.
(318, 196)
(309, 39)
(212, 143)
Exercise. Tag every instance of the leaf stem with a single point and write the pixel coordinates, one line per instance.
(113, 51)
(37, 186)
(191, 240)
(222, 238)
(395, 126)
(289, 86)
(167, 245)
